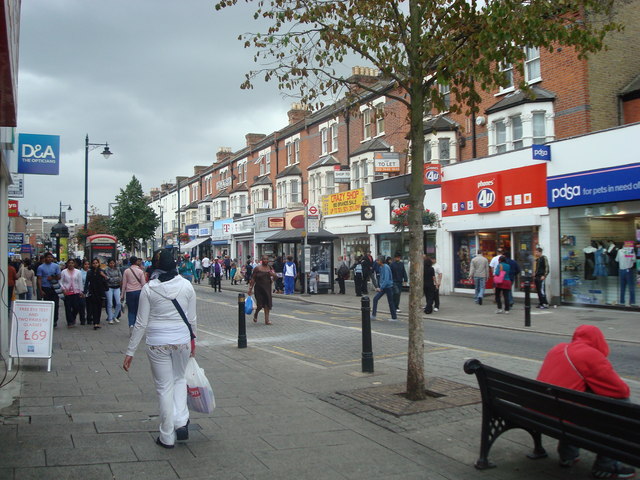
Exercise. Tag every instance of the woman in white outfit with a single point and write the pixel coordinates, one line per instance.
(169, 344)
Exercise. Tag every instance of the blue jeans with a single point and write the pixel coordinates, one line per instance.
(132, 306)
(113, 300)
(628, 280)
(479, 282)
(28, 295)
(388, 291)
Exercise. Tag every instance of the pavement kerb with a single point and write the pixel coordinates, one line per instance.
(311, 299)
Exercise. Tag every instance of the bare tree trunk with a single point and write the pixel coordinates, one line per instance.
(415, 356)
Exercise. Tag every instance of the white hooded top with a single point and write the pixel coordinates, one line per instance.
(158, 316)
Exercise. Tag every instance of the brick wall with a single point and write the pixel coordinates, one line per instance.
(610, 71)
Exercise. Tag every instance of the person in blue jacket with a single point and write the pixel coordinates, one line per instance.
(514, 270)
(384, 287)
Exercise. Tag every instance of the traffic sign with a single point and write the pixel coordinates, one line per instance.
(313, 210)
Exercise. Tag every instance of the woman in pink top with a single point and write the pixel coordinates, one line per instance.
(73, 289)
(133, 279)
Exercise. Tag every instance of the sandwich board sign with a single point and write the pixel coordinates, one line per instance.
(31, 330)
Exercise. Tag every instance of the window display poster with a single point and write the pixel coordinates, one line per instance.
(464, 245)
(31, 329)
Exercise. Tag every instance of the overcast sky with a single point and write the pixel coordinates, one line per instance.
(156, 79)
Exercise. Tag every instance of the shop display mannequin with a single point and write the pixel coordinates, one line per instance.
(626, 258)
(589, 261)
(612, 251)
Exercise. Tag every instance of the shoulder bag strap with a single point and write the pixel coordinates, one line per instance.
(566, 354)
(184, 317)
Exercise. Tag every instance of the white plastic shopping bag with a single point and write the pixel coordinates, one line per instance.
(199, 392)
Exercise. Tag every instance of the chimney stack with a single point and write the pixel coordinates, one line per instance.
(298, 112)
(222, 154)
(254, 138)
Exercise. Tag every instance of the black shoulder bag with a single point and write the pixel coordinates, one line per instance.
(184, 317)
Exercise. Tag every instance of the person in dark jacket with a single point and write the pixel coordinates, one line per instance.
(514, 270)
(399, 274)
(367, 272)
(583, 365)
(429, 285)
(95, 290)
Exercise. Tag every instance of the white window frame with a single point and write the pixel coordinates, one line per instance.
(324, 141)
(257, 197)
(526, 112)
(532, 60)
(516, 142)
(241, 168)
(366, 124)
(379, 113)
(334, 136)
(284, 190)
(445, 91)
(508, 70)
(432, 144)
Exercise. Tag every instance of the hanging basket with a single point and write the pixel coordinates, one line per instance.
(400, 218)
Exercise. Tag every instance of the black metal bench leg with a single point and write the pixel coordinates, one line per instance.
(486, 440)
(538, 450)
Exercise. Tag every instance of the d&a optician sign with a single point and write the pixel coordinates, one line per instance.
(39, 154)
(513, 189)
(613, 184)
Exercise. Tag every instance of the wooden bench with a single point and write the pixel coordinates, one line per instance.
(599, 424)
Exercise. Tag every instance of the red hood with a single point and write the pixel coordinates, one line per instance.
(592, 336)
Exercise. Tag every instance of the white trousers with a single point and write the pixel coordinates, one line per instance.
(168, 363)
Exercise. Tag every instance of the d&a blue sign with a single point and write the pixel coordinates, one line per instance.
(39, 154)
(613, 184)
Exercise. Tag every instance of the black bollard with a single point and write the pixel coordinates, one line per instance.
(242, 325)
(527, 300)
(367, 348)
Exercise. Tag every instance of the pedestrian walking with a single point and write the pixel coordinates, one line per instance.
(367, 272)
(114, 280)
(49, 272)
(169, 344)
(496, 259)
(232, 272)
(429, 285)
(12, 276)
(187, 269)
(582, 365)
(197, 264)
(289, 272)
(313, 280)
(73, 289)
(95, 291)
(278, 268)
(399, 274)
(501, 290)
(514, 271)
(248, 270)
(261, 284)
(206, 266)
(479, 272)
(227, 267)
(84, 311)
(438, 281)
(384, 287)
(358, 276)
(26, 272)
(342, 274)
(216, 275)
(133, 280)
(540, 273)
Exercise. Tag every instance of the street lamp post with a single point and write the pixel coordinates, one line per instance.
(106, 153)
(60, 214)
(161, 208)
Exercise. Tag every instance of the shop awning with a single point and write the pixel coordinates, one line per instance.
(193, 244)
(295, 236)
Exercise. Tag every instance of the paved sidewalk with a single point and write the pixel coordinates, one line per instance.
(460, 308)
(278, 417)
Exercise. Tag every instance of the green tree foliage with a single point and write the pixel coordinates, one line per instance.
(133, 219)
(416, 44)
(97, 224)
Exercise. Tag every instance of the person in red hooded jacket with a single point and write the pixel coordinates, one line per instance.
(583, 365)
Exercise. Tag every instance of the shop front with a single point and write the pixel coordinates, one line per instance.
(342, 214)
(599, 235)
(221, 238)
(266, 224)
(242, 235)
(497, 210)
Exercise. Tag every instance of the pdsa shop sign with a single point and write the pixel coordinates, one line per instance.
(595, 186)
(39, 154)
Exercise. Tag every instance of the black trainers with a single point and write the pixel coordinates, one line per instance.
(182, 433)
(617, 471)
